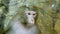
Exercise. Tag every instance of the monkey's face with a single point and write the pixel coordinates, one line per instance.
(30, 16)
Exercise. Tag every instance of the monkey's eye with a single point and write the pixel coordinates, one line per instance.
(33, 14)
(29, 14)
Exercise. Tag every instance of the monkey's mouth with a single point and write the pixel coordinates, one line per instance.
(28, 25)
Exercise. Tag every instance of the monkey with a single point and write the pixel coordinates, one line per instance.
(24, 22)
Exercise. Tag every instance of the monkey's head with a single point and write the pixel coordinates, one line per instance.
(28, 16)
(31, 15)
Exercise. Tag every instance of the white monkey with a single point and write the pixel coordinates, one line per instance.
(19, 28)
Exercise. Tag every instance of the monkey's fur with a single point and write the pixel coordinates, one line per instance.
(19, 23)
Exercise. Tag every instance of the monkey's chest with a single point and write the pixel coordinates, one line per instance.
(19, 29)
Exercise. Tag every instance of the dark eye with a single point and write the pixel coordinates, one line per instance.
(33, 14)
(29, 14)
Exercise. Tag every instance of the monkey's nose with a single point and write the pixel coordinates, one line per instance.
(32, 21)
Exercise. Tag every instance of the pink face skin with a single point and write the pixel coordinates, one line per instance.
(31, 16)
